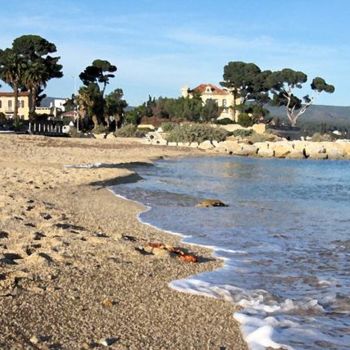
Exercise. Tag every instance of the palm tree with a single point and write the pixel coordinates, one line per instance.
(11, 68)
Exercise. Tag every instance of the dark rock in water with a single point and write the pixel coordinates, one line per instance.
(206, 203)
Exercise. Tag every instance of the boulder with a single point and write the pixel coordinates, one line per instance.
(206, 145)
(245, 150)
(315, 150)
(110, 136)
(282, 149)
(295, 154)
(259, 128)
(266, 153)
(206, 203)
(334, 151)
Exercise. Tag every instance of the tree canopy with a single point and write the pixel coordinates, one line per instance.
(28, 66)
(248, 82)
(95, 78)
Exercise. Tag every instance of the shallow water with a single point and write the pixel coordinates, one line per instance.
(285, 238)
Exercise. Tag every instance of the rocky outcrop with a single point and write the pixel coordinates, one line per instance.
(207, 203)
(298, 149)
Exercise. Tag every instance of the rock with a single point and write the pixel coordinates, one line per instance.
(107, 303)
(295, 154)
(281, 149)
(246, 150)
(206, 203)
(160, 252)
(259, 128)
(110, 136)
(315, 150)
(107, 341)
(34, 340)
(189, 258)
(266, 153)
(334, 153)
(206, 145)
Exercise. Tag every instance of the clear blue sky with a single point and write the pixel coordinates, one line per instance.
(160, 45)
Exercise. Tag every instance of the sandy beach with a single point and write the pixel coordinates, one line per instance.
(72, 271)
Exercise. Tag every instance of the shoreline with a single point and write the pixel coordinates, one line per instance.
(83, 281)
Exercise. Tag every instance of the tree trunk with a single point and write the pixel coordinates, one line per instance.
(95, 121)
(32, 100)
(15, 111)
(234, 106)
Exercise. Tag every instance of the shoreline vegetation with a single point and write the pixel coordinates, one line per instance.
(71, 274)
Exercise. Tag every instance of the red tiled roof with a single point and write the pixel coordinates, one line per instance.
(11, 94)
(215, 90)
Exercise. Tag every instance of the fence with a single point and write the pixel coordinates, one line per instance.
(47, 128)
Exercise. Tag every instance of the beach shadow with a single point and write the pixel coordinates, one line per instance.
(132, 178)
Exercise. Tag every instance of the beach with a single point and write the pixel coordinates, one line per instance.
(73, 273)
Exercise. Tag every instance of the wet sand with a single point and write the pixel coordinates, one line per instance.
(73, 274)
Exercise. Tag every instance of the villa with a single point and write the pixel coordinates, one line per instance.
(7, 104)
(49, 105)
(221, 96)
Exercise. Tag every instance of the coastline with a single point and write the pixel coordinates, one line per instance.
(77, 279)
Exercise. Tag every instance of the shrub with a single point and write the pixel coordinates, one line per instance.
(100, 129)
(129, 131)
(255, 137)
(318, 137)
(224, 121)
(168, 126)
(245, 120)
(196, 133)
(242, 133)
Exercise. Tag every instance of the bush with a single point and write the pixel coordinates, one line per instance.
(196, 133)
(242, 133)
(224, 121)
(318, 137)
(129, 131)
(168, 126)
(100, 129)
(245, 120)
(255, 137)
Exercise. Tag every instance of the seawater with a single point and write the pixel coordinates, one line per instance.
(285, 240)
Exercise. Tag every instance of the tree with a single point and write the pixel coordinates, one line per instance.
(210, 110)
(91, 101)
(11, 71)
(40, 67)
(27, 65)
(99, 72)
(95, 79)
(115, 105)
(239, 79)
(283, 84)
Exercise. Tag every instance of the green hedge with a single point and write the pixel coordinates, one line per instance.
(196, 133)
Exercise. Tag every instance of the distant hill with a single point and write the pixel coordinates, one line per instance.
(335, 116)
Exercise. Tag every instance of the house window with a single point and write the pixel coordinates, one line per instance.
(0, 104)
(224, 103)
(9, 103)
(22, 103)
